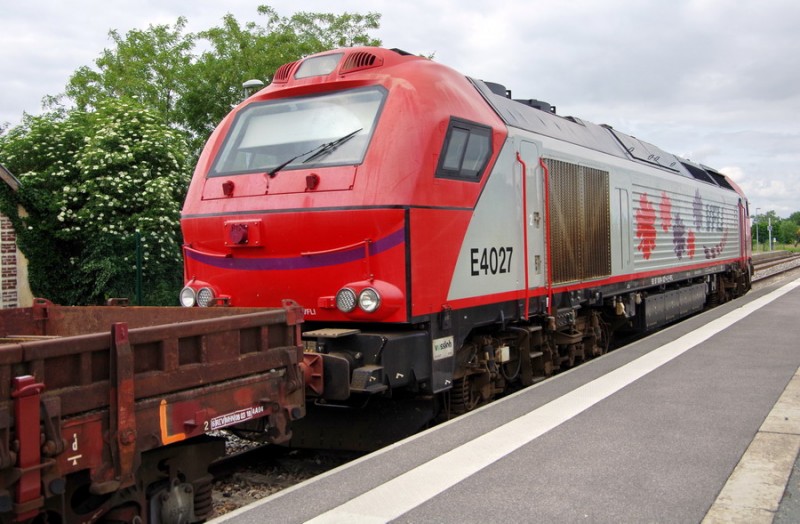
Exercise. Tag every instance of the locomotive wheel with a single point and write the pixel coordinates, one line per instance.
(713, 299)
(465, 395)
(605, 338)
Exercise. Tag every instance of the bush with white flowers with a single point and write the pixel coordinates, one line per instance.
(89, 182)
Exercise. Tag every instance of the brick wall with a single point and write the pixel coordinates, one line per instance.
(9, 273)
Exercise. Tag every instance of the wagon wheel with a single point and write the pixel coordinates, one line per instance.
(121, 514)
(464, 396)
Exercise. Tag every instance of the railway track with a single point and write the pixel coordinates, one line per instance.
(769, 256)
(773, 264)
(252, 471)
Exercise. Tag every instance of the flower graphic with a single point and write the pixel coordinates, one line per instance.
(645, 227)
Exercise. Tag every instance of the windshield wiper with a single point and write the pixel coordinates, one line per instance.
(330, 146)
(318, 151)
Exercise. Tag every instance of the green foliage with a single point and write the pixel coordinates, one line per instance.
(113, 155)
(787, 232)
(88, 182)
(158, 68)
(239, 53)
(784, 230)
(236, 54)
(149, 66)
(320, 31)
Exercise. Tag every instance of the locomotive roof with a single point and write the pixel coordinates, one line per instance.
(535, 117)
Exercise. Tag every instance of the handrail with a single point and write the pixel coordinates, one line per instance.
(549, 267)
(364, 242)
(525, 231)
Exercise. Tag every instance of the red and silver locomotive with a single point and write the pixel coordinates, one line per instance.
(444, 238)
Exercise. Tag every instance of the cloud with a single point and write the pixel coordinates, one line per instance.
(735, 173)
(700, 78)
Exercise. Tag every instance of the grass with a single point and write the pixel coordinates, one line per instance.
(776, 247)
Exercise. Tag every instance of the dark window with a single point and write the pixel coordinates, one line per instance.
(698, 173)
(466, 151)
(720, 179)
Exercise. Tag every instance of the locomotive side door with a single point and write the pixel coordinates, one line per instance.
(533, 208)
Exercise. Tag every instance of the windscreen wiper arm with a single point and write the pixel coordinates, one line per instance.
(317, 152)
(330, 146)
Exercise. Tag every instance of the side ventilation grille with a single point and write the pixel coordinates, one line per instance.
(580, 222)
(360, 60)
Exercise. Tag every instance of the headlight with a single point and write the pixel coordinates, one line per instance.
(369, 300)
(346, 300)
(187, 297)
(204, 296)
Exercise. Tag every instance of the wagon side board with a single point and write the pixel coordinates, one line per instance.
(79, 402)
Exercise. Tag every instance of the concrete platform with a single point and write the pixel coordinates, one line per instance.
(678, 427)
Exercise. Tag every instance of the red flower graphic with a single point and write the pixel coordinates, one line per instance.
(645, 227)
(690, 244)
(665, 210)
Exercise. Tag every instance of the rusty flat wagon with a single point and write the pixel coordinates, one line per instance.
(104, 410)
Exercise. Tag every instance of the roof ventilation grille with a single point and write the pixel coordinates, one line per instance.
(361, 60)
(283, 72)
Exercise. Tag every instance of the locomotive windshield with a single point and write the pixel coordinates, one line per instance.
(296, 132)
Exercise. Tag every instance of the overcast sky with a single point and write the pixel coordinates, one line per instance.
(715, 81)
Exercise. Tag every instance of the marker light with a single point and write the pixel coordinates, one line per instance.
(346, 300)
(204, 296)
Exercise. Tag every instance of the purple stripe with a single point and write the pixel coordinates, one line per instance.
(301, 262)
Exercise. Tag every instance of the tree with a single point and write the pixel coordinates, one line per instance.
(239, 53)
(788, 232)
(117, 161)
(790, 229)
(89, 181)
(148, 66)
(236, 54)
(193, 93)
(319, 31)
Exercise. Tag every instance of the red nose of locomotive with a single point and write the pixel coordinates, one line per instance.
(282, 203)
(326, 188)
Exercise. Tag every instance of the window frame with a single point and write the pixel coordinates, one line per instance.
(232, 138)
(473, 129)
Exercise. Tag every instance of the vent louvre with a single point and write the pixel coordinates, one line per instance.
(580, 222)
(361, 60)
(283, 72)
